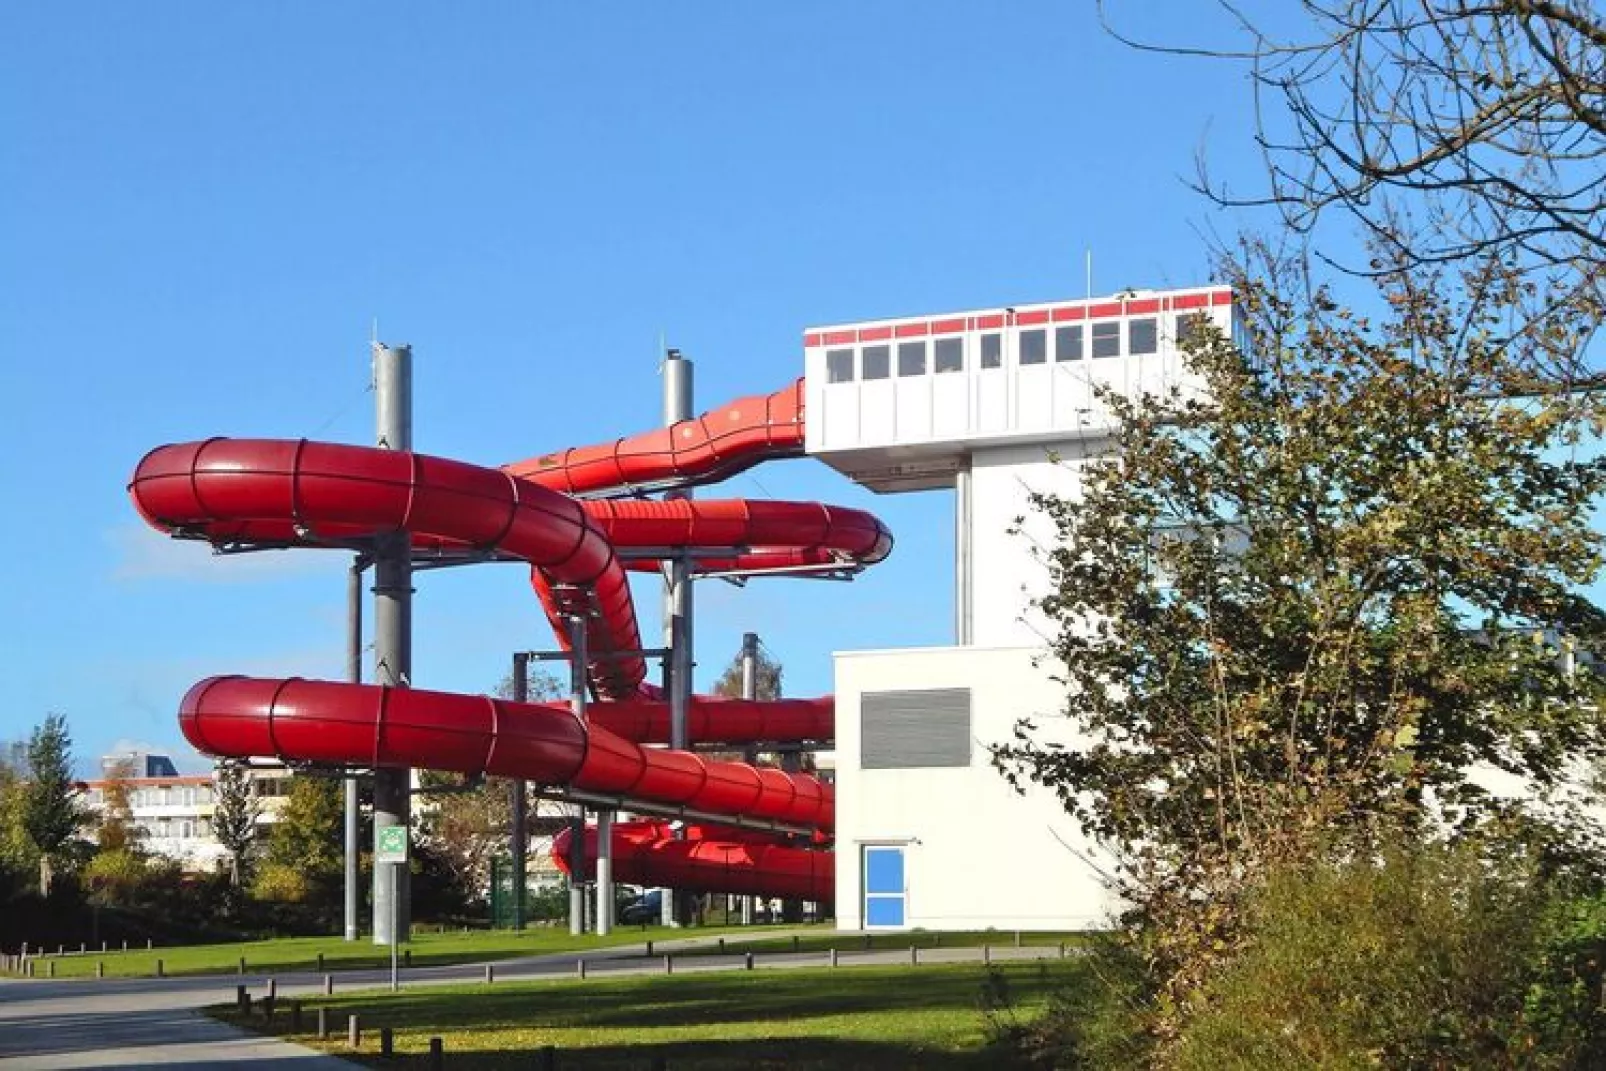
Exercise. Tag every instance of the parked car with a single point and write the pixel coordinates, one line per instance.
(643, 909)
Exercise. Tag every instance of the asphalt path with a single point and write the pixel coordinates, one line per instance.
(156, 1022)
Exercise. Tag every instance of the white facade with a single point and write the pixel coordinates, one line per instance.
(975, 853)
(174, 814)
(1000, 405)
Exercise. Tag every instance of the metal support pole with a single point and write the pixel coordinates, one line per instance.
(963, 566)
(677, 599)
(577, 824)
(520, 801)
(604, 914)
(393, 639)
(353, 814)
(750, 754)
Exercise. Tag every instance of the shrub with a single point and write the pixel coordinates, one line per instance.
(279, 883)
(1430, 958)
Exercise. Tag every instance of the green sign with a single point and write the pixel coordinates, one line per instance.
(390, 844)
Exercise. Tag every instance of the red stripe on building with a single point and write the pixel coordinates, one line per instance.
(1038, 317)
(837, 338)
(910, 330)
(943, 327)
(1072, 312)
(1221, 297)
(811, 339)
(874, 334)
(984, 323)
(1135, 308)
(1109, 308)
(1190, 301)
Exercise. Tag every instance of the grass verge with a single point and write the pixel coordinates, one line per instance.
(746, 941)
(301, 953)
(864, 1017)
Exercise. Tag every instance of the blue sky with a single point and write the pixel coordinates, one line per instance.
(205, 208)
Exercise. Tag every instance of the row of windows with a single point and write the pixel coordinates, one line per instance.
(183, 829)
(166, 796)
(1103, 339)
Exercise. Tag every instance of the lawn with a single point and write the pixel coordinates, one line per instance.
(301, 953)
(866, 1017)
(825, 939)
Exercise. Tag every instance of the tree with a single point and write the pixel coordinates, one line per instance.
(1299, 608)
(1451, 130)
(235, 814)
(117, 830)
(304, 860)
(51, 812)
(767, 672)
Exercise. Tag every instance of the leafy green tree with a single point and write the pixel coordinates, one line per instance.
(306, 845)
(52, 814)
(235, 813)
(767, 674)
(116, 830)
(1299, 607)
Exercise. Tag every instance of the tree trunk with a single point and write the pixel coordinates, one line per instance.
(45, 874)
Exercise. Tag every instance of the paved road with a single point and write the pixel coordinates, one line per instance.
(150, 1022)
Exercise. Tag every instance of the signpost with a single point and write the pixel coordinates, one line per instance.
(390, 848)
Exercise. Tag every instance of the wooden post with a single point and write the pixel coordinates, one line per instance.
(242, 1000)
(320, 962)
(437, 1055)
(914, 955)
(748, 961)
(831, 958)
(242, 964)
(353, 1032)
(580, 968)
(100, 968)
(159, 972)
(328, 985)
(987, 954)
(295, 1016)
(407, 957)
(669, 964)
(490, 974)
(387, 1042)
(323, 1023)
(273, 988)
(547, 1058)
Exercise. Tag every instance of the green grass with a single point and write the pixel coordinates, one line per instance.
(301, 953)
(746, 941)
(868, 1017)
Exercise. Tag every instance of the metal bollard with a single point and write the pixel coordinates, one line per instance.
(323, 1023)
(580, 968)
(125, 944)
(328, 985)
(353, 1032)
(490, 974)
(387, 1042)
(747, 961)
(149, 944)
(831, 958)
(669, 964)
(103, 948)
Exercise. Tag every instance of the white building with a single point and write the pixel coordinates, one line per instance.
(173, 811)
(996, 404)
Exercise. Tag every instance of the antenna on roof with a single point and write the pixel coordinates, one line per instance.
(1090, 273)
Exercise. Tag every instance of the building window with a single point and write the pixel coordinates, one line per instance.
(839, 366)
(877, 362)
(1188, 323)
(911, 358)
(916, 729)
(1068, 343)
(1034, 346)
(950, 356)
(1107, 339)
(886, 891)
(1143, 336)
(992, 351)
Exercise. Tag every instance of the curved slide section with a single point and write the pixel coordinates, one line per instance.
(713, 859)
(362, 724)
(705, 449)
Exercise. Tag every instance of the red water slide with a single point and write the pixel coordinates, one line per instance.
(289, 493)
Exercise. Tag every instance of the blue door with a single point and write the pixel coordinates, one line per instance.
(885, 891)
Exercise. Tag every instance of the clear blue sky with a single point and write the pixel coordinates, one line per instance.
(204, 208)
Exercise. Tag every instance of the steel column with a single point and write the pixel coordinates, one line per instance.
(677, 599)
(393, 640)
(577, 839)
(352, 805)
(519, 800)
